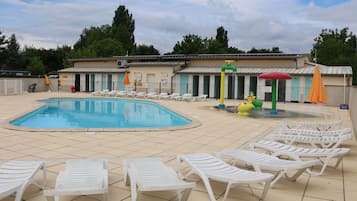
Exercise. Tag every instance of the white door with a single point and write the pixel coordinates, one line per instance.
(151, 83)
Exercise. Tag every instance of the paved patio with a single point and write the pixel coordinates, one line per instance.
(218, 130)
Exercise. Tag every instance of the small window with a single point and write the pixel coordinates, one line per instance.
(267, 82)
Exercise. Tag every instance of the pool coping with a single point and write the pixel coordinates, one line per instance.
(7, 125)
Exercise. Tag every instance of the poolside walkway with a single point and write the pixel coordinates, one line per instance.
(218, 130)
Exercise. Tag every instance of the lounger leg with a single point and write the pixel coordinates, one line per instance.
(227, 190)
(265, 191)
(186, 194)
(277, 176)
(44, 174)
(338, 162)
(296, 175)
(208, 187)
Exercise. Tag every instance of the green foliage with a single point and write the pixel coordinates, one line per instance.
(264, 50)
(3, 56)
(146, 50)
(221, 37)
(14, 60)
(191, 44)
(334, 47)
(107, 47)
(35, 66)
(123, 27)
(92, 34)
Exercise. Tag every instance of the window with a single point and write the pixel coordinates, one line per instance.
(268, 82)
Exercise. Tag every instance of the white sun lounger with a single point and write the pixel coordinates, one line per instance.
(200, 97)
(324, 139)
(297, 153)
(152, 95)
(131, 94)
(261, 161)
(122, 93)
(163, 96)
(151, 174)
(173, 95)
(140, 95)
(321, 126)
(208, 167)
(16, 176)
(81, 177)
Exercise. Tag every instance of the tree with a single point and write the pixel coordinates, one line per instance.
(107, 47)
(191, 44)
(146, 50)
(36, 66)
(92, 34)
(334, 47)
(123, 27)
(14, 60)
(222, 37)
(265, 50)
(3, 43)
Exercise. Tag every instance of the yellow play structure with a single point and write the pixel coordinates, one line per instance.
(228, 66)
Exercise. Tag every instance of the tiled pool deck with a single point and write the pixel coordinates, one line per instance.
(218, 130)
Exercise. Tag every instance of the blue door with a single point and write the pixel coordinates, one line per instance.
(308, 80)
(295, 89)
(183, 84)
(120, 82)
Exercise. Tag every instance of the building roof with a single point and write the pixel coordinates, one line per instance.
(93, 70)
(157, 63)
(94, 59)
(309, 70)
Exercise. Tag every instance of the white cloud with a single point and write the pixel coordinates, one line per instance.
(256, 23)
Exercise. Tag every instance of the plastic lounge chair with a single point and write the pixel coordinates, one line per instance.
(261, 161)
(112, 93)
(173, 95)
(187, 97)
(105, 92)
(81, 177)
(122, 93)
(151, 174)
(152, 95)
(200, 97)
(140, 95)
(324, 139)
(163, 96)
(15, 176)
(95, 93)
(321, 126)
(208, 167)
(131, 94)
(296, 153)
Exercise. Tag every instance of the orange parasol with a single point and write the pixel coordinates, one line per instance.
(126, 80)
(47, 81)
(317, 91)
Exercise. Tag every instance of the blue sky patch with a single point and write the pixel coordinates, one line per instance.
(324, 3)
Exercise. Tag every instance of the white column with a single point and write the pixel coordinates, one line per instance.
(98, 82)
(246, 85)
(260, 89)
(190, 79)
(177, 83)
(200, 85)
(211, 86)
(288, 90)
(225, 86)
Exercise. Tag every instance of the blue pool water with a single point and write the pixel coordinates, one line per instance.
(100, 113)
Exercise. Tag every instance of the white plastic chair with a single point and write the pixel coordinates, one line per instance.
(152, 95)
(141, 95)
(200, 97)
(173, 95)
(81, 177)
(324, 139)
(208, 167)
(151, 174)
(261, 161)
(187, 97)
(163, 96)
(321, 126)
(297, 153)
(16, 176)
(131, 94)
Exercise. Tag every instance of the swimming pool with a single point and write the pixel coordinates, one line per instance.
(100, 113)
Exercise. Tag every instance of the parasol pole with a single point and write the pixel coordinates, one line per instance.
(344, 88)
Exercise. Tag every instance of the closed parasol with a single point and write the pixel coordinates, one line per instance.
(317, 91)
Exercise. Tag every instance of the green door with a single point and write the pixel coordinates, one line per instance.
(120, 82)
(295, 89)
(183, 84)
(308, 80)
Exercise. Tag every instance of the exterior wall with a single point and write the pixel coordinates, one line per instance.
(335, 95)
(13, 85)
(95, 64)
(162, 77)
(333, 80)
(353, 105)
(67, 80)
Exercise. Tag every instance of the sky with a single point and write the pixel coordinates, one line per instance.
(291, 25)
